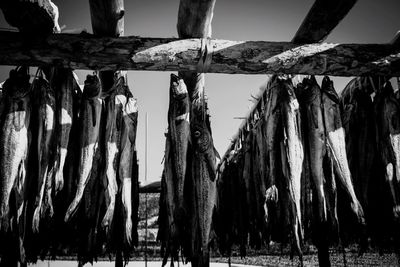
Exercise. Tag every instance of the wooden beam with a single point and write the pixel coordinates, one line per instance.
(171, 54)
(322, 18)
(107, 19)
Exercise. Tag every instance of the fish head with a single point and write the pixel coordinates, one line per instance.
(201, 137)
(92, 87)
(17, 85)
(203, 145)
(309, 89)
(178, 89)
(289, 94)
(329, 90)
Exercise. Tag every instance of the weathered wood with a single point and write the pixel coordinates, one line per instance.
(31, 17)
(194, 21)
(322, 18)
(194, 18)
(170, 54)
(107, 19)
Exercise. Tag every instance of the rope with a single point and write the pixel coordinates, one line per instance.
(206, 52)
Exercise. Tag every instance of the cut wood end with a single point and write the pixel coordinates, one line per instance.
(32, 17)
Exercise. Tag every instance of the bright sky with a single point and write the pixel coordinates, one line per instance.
(370, 21)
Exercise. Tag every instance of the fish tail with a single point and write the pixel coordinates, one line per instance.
(38, 209)
(166, 255)
(204, 259)
(48, 201)
(358, 211)
(73, 207)
(128, 231)
(106, 222)
(296, 229)
(36, 219)
(110, 198)
(59, 181)
(48, 205)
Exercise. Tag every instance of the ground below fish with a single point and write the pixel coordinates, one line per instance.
(371, 258)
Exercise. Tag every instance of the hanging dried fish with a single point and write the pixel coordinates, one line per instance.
(89, 137)
(336, 144)
(272, 118)
(128, 141)
(14, 144)
(176, 149)
(179, 131)
(203, 171)
(309, 94)
(46, 129)
(293, 155)
(114, 106)
(359, 126)
(387, 112)
(65, 82)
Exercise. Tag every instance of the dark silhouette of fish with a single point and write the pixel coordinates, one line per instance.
(90, 114)
(65, 82)
(337, 147)
(387, 112)
(293, 155)
(14, 144)
(46, 104)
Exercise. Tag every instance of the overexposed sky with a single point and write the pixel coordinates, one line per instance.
(370, 21)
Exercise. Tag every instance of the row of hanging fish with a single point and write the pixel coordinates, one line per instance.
(69, 182)
(371, 119)
(282, 178)
(188, 191)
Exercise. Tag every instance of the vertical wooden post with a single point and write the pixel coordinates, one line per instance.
(107, 17)
(194, 21)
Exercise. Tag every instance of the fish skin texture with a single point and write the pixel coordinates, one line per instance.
(294, 157)
(89, 137)
(65, 82)
(337, 146)
(14, 146)
(46, 129)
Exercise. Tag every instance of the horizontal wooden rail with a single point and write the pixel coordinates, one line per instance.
(85, 51)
